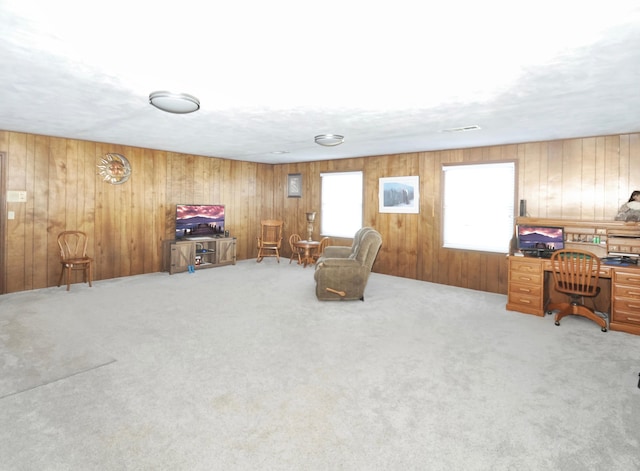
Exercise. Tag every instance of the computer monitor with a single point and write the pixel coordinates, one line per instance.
(535, 238)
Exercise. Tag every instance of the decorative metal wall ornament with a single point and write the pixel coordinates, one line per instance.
(114, 168)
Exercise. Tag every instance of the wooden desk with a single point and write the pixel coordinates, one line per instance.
(309, 246)
(529, 291)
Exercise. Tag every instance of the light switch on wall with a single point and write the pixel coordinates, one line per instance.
(16, 196)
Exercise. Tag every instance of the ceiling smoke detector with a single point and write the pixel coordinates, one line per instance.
(329, 140)
(473, 127)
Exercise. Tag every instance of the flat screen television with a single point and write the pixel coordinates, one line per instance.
(540, 239)
(199, 220)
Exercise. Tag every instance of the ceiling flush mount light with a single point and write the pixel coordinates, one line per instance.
(179, 103)
(329, 140)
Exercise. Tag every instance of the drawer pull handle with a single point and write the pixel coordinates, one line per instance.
(634, 306)
(525, 290)
(524, 278)
(525, 301)
(634, 319)
(634, 293)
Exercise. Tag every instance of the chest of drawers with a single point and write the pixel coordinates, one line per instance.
(625, 300)
(526, 286)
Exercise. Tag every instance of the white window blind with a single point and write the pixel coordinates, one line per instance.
(341, 203)
(479, 208)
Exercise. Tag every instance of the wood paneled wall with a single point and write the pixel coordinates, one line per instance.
(126, 223)
(586, 178)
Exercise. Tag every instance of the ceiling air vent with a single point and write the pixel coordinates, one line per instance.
(473, 127)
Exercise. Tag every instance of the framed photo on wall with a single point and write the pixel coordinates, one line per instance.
(399, 194)
(294, 185)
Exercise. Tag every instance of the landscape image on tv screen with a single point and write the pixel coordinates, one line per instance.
(199, 220)
(540, 238)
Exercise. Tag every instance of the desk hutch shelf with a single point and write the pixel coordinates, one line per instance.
(600, 237)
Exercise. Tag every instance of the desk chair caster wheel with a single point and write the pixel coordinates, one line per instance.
(558, 323)
(604, 329)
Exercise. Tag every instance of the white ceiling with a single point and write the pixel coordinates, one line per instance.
(270, 75)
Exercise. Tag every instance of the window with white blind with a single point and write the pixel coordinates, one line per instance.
(479, 206)
(341, 194)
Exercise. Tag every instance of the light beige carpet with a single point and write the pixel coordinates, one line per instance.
(39, 348)
(241, 368)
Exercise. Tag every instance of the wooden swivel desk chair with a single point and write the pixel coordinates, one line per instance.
(270, 240)
(73, 256)
(576, 273)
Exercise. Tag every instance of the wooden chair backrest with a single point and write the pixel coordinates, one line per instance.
(293, 238)
(73, 245)
(324, 242)
(576, 271)
(271, 231)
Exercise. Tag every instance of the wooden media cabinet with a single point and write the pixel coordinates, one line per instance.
(206, 252)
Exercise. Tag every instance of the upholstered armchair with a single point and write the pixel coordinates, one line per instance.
(343, 276)
(339, 251)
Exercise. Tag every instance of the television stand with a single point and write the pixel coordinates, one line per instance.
(198, 252)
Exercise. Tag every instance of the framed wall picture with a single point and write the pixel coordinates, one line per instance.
(294, 185)
(399, 194)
